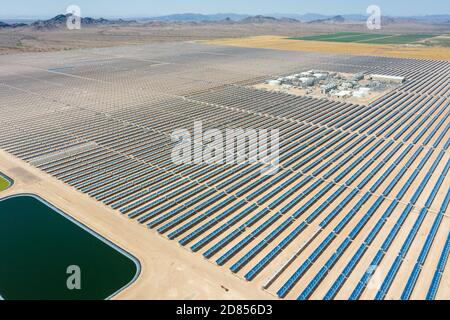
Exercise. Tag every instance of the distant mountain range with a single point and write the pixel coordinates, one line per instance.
(308, 17)
(4, 25)
(264, 19)
(436, 18)
(198, 17)
(60, 20)
(332, 20)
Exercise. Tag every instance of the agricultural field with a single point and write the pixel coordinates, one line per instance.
(375, 38)
(348, 48)
(441, 41)
(401, 39)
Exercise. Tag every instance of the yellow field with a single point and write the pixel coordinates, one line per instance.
(4, 184)
(384, 50)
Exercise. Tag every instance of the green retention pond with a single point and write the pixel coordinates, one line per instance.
(5, 182)
(46, 255)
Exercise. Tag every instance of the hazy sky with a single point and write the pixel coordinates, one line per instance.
(146, 8)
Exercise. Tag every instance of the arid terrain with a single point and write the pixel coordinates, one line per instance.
(29, 39)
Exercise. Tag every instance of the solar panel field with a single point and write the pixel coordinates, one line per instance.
(359, 208)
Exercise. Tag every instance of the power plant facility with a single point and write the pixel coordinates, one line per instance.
(334, 85)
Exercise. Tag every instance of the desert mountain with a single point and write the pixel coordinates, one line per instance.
(61, 19)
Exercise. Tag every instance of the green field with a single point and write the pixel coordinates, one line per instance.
(328, 37)
(368, 38)
(438, 42)
(4, 183)
(401, 39)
